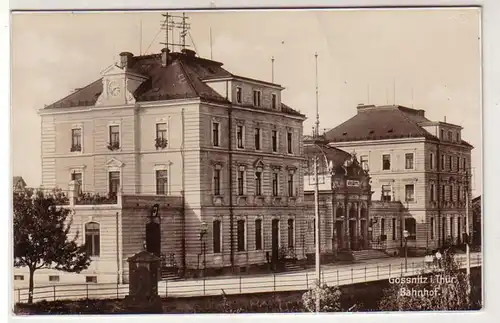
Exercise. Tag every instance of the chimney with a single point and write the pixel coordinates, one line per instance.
(126, 59)
(188, 52)
(164, 56)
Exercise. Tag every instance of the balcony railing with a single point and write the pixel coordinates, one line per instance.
(77, 198)
(96, 199)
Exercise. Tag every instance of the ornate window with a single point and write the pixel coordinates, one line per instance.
(217, 180)
(291, 233)
(241, 233)
(217, 236)
(92, 239)
(76, 139)
(161, 182)
(258, 234)
(114, 182)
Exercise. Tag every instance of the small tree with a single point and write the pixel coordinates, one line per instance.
(442, 289)
(41, 229)
(329, 298)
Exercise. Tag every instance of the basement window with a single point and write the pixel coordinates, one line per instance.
(18, 277)
(54, 278)
(344, 134)
(390, 131)
(91, 279)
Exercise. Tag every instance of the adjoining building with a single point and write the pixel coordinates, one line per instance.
(476, 222)
(218, 155)
(420, 166)
(18, 183)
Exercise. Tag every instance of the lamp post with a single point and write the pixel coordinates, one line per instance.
(203, 232)
(317, 232)
(330, 168)
(406, 234)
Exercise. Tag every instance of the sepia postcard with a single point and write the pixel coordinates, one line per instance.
(246, 161)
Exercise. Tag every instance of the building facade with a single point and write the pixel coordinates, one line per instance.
(177, 126)
(344, 198)
(422, 164)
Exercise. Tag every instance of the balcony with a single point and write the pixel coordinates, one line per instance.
(80, 199)
(114, 145)
(96, 199)
(161, 143)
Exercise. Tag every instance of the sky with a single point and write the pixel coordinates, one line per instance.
(427, 59)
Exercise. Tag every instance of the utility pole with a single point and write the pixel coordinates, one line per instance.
(467, 232)
(317, 233)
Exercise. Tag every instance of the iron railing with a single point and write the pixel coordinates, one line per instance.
(292, 281)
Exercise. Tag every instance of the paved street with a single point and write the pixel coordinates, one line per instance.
(371, 270)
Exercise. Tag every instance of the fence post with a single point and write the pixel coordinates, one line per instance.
(54, 287)
(390, 270)
(240, 284)
(307, 280)
(352, 276)
(365, 273)
(87, 291)
(117, 291)
(377, 272)
(274, 282)
(204, 281)
(166, 288)
(337, 276)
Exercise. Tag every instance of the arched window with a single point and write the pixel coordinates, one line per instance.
(92, 239)
(352, 212)
(340, 212)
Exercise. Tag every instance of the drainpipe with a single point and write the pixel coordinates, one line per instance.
(118, 251)
(183, 196)
(438, 196)
(230, 169)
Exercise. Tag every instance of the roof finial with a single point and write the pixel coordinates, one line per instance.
(317, 98)
(272, 69)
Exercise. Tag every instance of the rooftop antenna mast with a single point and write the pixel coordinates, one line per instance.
(272, 69)
(173, 23)
(211, 43)
(316, 132)
(166, 27)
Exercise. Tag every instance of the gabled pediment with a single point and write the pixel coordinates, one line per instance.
(258, 163)
(113, 70)
(113, 162)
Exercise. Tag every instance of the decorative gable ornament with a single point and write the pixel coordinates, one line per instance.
(114, 163)
(118, 86)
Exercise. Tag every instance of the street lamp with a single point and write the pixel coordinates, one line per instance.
(406, 234)
(203, 232)
(318, 154)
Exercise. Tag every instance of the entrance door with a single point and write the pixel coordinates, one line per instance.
(338, 232)
(153, 238)
(363, 237)
(275, 239)
(352, 235)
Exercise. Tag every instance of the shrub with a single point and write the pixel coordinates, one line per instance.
(329, 298)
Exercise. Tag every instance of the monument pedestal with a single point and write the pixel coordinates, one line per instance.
(143, 287)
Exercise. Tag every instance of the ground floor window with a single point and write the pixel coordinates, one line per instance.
(217, 236)
(241, 235)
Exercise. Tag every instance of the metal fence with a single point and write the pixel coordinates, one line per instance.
(339, 275)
